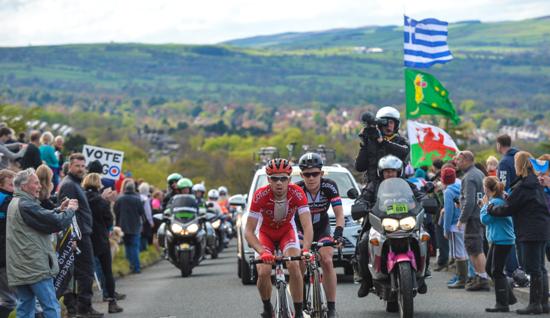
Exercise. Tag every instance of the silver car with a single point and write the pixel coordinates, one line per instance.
(345, 182)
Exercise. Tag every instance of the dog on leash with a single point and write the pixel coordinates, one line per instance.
(115, 239)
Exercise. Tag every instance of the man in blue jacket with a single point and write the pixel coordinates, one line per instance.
(506, 170)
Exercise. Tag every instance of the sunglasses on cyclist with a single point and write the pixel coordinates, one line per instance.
(311, 174)
(276, 179)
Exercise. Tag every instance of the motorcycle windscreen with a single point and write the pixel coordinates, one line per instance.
(395, 198)
(184, 213)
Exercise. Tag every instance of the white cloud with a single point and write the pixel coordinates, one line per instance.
(210, 21)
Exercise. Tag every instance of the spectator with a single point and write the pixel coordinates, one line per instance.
(492, 166)
(455, 235)
(506, 170)
(58, 146)
(528, 206)
(441, 242)
(31, 158)
(84, 270)
(507, 174)
(147, 228)
(102, 222)
(129, 214)
(96, 167)
(31, 260)
(6, 154)
(500, 234)
(45, 175)
(471, 189)
(47, 154)
(7, 294)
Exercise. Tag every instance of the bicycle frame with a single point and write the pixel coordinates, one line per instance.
(282, 306)
(315, 299)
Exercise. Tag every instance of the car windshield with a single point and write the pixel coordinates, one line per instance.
(395, 196)
(343, 181)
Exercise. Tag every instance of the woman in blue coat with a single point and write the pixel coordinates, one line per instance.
(500, 234)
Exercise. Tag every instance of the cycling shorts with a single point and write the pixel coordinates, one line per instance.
(321, 232)
(284, 238)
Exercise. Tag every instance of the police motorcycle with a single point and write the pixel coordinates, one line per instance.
(184, 233)
(217, 222)
(398, 245)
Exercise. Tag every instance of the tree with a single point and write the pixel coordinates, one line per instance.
(489, 124)
(75, 143)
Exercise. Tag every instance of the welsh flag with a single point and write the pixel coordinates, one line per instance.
(428, 143)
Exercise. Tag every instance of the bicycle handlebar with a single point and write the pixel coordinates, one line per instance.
(280, 259)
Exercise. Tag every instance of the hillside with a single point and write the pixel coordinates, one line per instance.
(504, 64)
(533, 33)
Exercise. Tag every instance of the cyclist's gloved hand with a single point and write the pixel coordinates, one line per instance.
(267, 257)
(338, 232)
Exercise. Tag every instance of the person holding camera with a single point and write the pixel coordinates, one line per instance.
(379, 138)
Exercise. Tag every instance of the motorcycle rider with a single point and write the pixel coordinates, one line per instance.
(275, 205)
(184, 186)
(199, 190)
(213, 197)
(172, 181)
(224, 199)
(379, 138)
(388, 167)
(322, 193)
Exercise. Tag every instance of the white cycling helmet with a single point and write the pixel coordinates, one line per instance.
(390, 162)
(222, 190)
(199, 187)
(389, 112)
(213, 194)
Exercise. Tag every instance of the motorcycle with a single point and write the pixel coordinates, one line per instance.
(398, 245)
(219, 225)
(183, 233)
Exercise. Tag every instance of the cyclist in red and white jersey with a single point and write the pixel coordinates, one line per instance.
(272, 212)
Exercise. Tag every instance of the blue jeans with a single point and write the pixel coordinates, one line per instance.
(132, 244)
(45, 292)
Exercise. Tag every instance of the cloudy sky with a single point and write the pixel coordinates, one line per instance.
(39, 22)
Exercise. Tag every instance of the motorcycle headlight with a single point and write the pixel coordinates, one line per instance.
(176, 228)
(390, 225)
(193, 228)
(216, 224)
(407, 223)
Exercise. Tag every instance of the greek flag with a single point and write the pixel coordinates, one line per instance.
(426, 42)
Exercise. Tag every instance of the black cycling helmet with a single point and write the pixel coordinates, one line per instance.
(310, 160)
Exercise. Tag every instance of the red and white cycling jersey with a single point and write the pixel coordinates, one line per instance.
(277, 218)
(264, 206)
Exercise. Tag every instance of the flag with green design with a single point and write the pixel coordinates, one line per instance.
(426, 96)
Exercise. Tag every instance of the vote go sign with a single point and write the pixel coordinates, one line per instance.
(109, 158)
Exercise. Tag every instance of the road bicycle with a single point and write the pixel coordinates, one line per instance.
(282, 306)
(315, 300)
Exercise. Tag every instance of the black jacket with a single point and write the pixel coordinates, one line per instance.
(31, 158)
(102, 221)
(528, 207)
(71, 189)
(129, 213)
(7, 196)
(371, 152)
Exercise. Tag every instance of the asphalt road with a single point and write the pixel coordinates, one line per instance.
(214, 290)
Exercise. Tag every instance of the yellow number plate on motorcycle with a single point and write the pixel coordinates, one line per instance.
(397, 208)
(184, 245)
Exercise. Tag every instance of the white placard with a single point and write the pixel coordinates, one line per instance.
(110, 159)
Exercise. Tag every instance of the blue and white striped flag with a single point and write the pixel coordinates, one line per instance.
(426, 42)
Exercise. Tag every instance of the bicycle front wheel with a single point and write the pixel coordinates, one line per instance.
(282, 306)
(319, 304)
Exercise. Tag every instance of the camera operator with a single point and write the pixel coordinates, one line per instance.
(379, 138)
